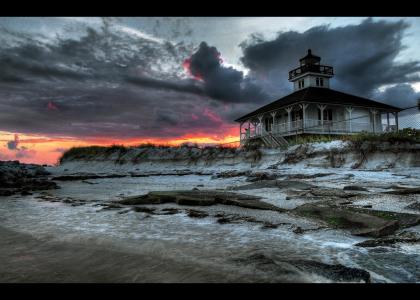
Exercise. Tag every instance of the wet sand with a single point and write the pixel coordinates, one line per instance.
(26, 259)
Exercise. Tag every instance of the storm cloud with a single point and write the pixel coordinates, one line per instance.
(105, 83)
(363, 57)
(220, 82)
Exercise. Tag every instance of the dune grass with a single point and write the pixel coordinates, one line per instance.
(80, 153)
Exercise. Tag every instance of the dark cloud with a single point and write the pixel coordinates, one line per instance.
(403, 94)
(107, 83)
(220, 82)
(363, 56)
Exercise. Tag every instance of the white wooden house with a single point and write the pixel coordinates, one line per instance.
(315, 108)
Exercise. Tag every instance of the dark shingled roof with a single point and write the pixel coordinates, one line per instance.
(319, 95)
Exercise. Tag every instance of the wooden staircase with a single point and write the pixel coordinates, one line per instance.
(274, 141)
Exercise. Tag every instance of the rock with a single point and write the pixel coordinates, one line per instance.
(355, 188)
(268, 225)
(404, 191)
(308, 176)
(345, 202)
(148, 210)
(331, 192)
(258, 176)
(200, 198)
(298, 230)
(234, 218)
(170, 211)
(362, 223)
(85, 176)
(403, 237)
(290, 184)
(229, 174)
(415, 206)
(335, 272)
(23, 178)
(109, 206)
(192, 213)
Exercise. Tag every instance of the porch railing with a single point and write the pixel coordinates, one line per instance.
(316, 126)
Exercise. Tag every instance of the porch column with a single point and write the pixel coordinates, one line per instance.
(374, 112)
(289, 118)
(322, 107)
(260, 117)
(273, 114)
(255, 127)
(303, 106)
(396, 121)
(349, 110)
(387, 121)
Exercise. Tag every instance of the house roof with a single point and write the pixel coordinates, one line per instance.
(310, 57)
(319, 95)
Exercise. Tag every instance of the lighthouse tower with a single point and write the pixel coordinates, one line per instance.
(311, 73)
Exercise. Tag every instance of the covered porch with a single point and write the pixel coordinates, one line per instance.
(318, 118)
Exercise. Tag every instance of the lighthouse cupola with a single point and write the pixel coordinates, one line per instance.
(311, 73)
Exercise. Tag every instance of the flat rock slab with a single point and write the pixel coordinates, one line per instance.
(86, 176)
(282, 184)
(404, 191)
(358, 223)
(200, 198)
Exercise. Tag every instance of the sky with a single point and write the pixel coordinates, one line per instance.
(78, 81)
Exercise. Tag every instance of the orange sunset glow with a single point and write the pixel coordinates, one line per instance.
(40, 149)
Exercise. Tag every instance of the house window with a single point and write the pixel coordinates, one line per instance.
(303, 83)
(319, 81)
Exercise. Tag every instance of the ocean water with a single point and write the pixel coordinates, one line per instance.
(206, 250)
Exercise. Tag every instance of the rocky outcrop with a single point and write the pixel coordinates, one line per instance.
(362, 222)
(403, 237)
(23, 178)
(356, 223)
(200, 198)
